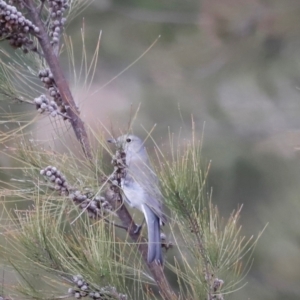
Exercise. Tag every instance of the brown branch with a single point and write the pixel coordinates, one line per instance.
(60, 80)
(156, 270)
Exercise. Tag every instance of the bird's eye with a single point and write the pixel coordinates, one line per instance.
(128, 140)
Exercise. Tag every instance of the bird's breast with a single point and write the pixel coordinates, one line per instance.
(133, 192)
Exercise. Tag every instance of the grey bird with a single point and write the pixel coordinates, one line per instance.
(141, 189)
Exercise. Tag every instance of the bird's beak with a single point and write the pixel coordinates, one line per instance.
(112, 141)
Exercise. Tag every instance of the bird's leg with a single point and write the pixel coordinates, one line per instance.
(139, 227)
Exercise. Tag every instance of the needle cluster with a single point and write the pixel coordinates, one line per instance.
(47, 78)
(82, 289)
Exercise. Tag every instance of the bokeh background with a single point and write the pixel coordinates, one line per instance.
(234, 67)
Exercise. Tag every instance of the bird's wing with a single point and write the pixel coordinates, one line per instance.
(142, 174)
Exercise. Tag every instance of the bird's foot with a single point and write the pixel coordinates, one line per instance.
(138, 228)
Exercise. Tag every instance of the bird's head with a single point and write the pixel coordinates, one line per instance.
(129, 143)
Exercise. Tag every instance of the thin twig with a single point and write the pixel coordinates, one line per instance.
(116, 225)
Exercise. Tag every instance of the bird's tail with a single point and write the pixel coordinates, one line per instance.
(154, 244)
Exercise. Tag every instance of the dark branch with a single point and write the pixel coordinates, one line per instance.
(60, 80)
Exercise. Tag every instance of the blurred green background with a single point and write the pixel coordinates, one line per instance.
(233, 65)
